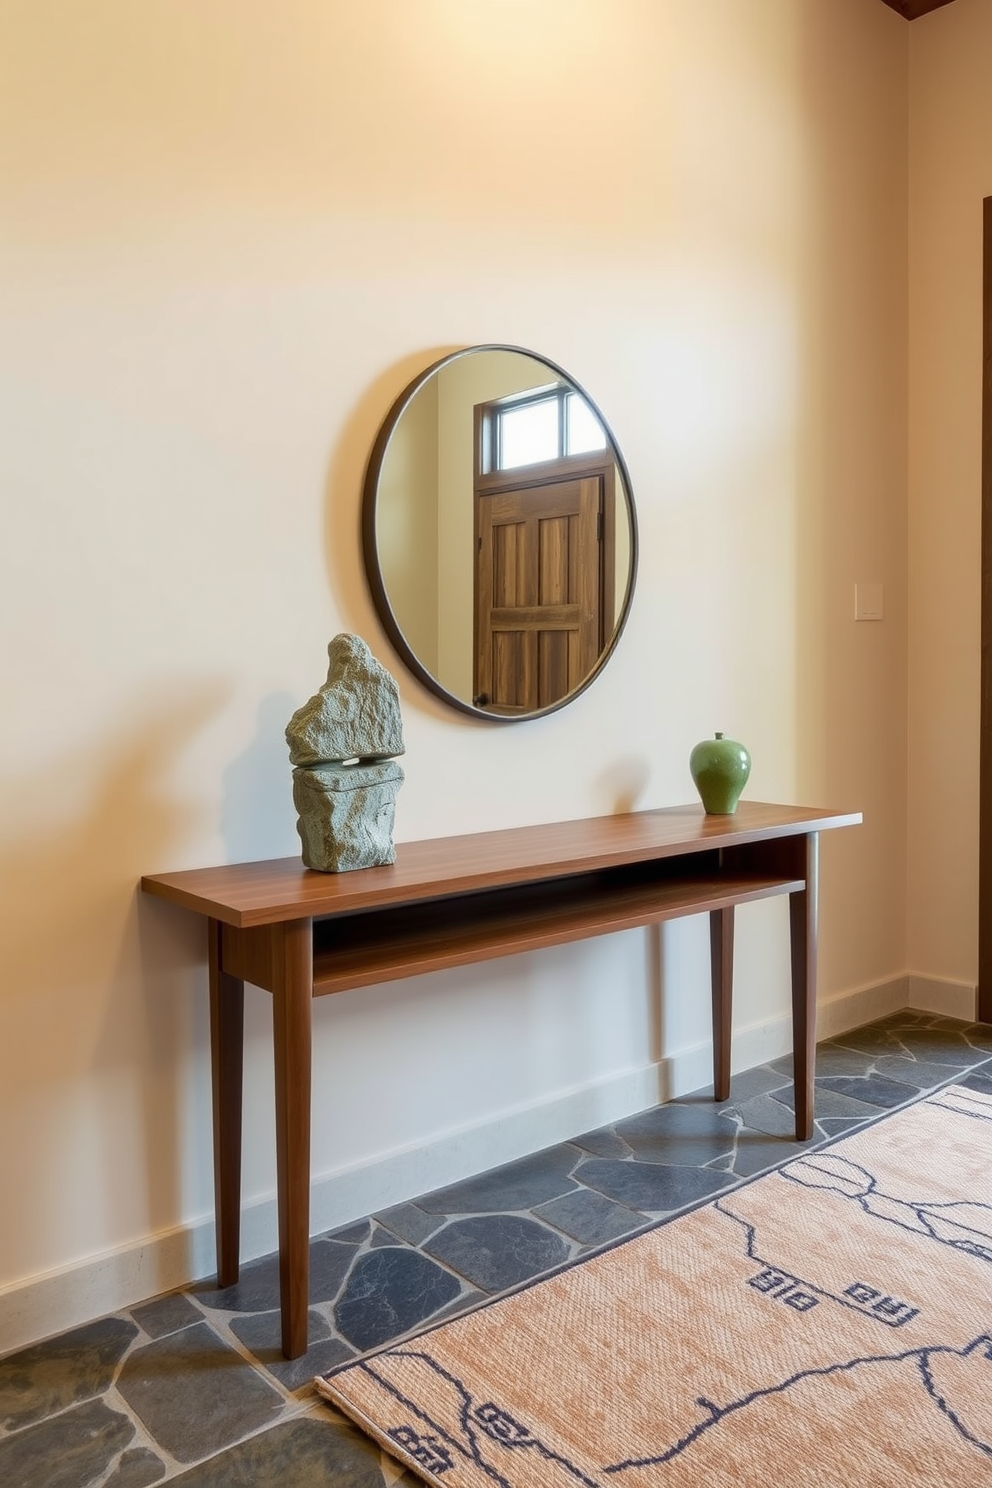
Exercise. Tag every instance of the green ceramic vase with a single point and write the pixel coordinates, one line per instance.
(720, 768)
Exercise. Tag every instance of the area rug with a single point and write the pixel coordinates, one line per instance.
(827, 1324)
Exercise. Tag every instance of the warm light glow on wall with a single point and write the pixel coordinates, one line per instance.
(524, 40)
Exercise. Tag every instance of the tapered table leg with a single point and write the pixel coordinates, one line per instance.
(803, 934)
(292, 961)
(722, 976)
(227, 1026)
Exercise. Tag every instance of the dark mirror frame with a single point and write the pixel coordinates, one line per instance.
(373, 572)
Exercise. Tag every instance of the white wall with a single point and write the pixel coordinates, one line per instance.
(951, 171)
(231, 233)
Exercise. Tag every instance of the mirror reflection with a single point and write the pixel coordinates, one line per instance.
(499, 532)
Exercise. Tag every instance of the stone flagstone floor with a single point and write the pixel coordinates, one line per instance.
(191, 1388)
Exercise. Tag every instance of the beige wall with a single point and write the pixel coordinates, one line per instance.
(950, 173)
(231, 233)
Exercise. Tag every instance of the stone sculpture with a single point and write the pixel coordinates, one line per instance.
(342, 744)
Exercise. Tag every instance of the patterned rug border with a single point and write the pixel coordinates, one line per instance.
(424, 1331)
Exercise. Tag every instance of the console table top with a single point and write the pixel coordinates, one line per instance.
(280, 889)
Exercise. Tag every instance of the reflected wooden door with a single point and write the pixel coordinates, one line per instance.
(539, 592)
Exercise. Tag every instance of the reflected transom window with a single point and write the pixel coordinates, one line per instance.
(546, 424)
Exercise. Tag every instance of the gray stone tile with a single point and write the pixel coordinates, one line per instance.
(871, 1040)
(194, 1394)
(743, 1086)
(330, 1262)
(603, 1143)
(758, 1081)
(257, 1289)
(724, 1164)
(874, 1090)
(351, 1234)
(517, 1185)
(757, 1152)
(653, 1188)
(905, 1018)
(835, 1126)
(768, 1115)
(261, 1332)
(388, 1293)
(836, 1059)
(979, 1035)
(308, 1452)
(166, 1315)
(468, 1299)
(920, 1073)
(410, 1222)
(137, 1468)
(941, 1046)
(381, 1237)
(72, 1450)
(496, 1251)
(827, 1102)
(45, 1378)
(686, 1135)
(590, 1218)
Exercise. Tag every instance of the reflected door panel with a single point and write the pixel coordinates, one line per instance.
(539, 593)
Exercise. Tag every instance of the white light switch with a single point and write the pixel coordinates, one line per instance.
(868, 602)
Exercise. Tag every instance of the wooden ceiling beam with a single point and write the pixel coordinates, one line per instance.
(911, 10)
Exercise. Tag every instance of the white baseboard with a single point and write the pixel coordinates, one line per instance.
(758, 1043)
(940, 995)
(360, 1189)
(850, 1009)
(50, 1303)
(56, 1300)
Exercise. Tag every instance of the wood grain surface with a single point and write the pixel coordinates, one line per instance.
(269, 892)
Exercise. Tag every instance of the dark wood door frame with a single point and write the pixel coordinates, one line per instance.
(911, 10)
(985, 746)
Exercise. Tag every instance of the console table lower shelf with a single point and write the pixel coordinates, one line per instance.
(456, 900)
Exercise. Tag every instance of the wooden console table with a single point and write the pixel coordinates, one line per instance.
(455, 900)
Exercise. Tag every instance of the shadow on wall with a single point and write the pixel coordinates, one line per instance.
(623, 783)
(98, 990)
(258, 786)
(343, 527)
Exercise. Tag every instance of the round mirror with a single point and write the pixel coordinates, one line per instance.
(499, 534)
